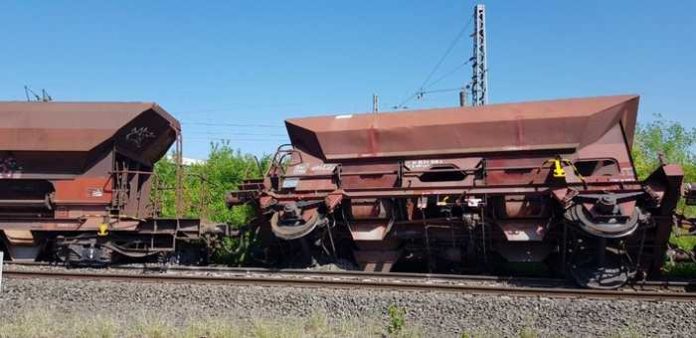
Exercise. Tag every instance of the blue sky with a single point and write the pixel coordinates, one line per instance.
(236, 69)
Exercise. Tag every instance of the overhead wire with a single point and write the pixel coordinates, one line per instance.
(199, 140)
(449, 50)
(250, 132)
(454, 70)
(237, 105)
(225, 133)
(232, 139)
(426, 82)
(224, 124)
(441, 90)
(421, 90)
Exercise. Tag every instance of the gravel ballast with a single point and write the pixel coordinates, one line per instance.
(434, 313)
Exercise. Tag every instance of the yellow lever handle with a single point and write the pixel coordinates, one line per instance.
(558, 170)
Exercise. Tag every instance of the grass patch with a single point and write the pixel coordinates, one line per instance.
(683, 269)
(525, 332)
(396, 319)
(627, 332)
(43, 323)
(684, 242)
(528, 333)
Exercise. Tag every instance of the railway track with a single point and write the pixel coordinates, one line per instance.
(489, 285)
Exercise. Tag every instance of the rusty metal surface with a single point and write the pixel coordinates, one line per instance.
(68, 126)
(548, 182)
(85, 168)
(541, 125)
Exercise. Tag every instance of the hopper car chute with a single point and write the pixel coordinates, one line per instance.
(457, 189)
(75, 181)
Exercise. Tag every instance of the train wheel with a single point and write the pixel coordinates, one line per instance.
(600, 268)
(605, 218)
(293, 223)
(83, 252)
(87, 256)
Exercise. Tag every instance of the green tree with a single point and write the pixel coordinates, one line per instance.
(671, 139)
(676, 144)
(204, 188)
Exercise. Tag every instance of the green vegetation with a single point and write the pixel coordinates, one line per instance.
(682, 241)
(675, 144)
(204, 188)
(43, 323)
(397, 319)
(206, 184)
(669, 138)
(672, 141)
(683, 269)
(525, 332)
(528, 333)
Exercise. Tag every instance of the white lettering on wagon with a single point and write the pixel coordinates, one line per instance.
(420, 164)
(324, 167)
(300, 169)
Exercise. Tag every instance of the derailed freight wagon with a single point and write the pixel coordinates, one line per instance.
(75, 181)
(459, 189)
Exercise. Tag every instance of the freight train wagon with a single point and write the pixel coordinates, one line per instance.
(75, 182)
(469, 189)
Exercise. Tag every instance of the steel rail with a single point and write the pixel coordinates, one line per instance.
(392, 285)
(663, 284)
(327, 273)
(528, 281)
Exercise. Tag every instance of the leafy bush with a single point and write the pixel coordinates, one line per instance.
(204, 188)
(676, 144)
(668, 138)
(671, 140)
(396, 319)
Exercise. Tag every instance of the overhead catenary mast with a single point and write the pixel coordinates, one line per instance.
(479, 78)
(375, 103)
(477, 87)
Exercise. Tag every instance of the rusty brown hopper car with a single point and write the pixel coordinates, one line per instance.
(75, 180)
(470, 189)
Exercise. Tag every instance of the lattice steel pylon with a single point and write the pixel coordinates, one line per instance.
(479, 78)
